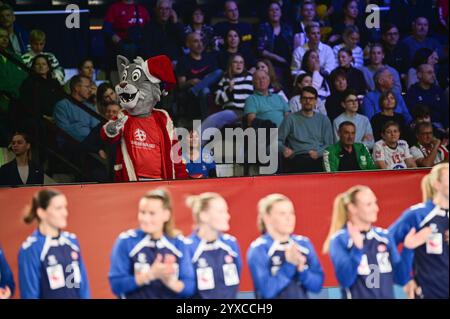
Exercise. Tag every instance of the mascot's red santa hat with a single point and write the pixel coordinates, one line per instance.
(155, 70)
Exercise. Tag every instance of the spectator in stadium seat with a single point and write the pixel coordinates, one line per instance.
(384, 81)
(105, 96)
(311, 64)
(298, 268)
(38, 95)
(422, 56)
(245, 30)
(199, 161)
(394, 55)
(339, 86)
(21, 170)
(197, 23)
(308, 16)
(355, 77)
(84, 68)
(18, 37)
(197, 73)
(123, 32)
(262, 104)
(11, 77)
(295, 104)
(275, 40)
(350, 104)
(388, 105)
(95, 145)
(303, 136)
(71, 118)
(345, 154)
(163, 35)
(429, 150)
(350, 39)
(232, 46)
(233, 90)
(420, 39)
(325, 52)
(421, 113)
(376, 62)
(426, 91)
(290, 9)
(275, 85)
(37, 44)
(352, 16)
(391, 152)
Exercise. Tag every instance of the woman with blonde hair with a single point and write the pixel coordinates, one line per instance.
(216, 255)
(365, 257)
(430, 266)
(152, 261)
(50, 263)
(282, 265)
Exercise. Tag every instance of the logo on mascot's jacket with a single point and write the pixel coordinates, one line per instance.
(139, 135)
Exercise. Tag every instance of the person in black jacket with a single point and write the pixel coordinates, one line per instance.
(21, 170)
(164, 35)
(38, 96)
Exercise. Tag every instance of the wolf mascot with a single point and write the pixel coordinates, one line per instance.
(146, 134)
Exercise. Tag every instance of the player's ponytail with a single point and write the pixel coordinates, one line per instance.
(200, 203)
(340, 213)
(427, 190)
(264, 207)
(427, 185)
(40, 200)
(164, 197)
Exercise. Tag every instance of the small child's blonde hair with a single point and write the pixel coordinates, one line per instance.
(37, 35)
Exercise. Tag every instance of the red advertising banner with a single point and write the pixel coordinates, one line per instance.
(99, 213)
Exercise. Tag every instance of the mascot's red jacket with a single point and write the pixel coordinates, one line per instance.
(146, 135)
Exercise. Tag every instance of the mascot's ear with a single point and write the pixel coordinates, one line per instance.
(139, 60)
(122, 62)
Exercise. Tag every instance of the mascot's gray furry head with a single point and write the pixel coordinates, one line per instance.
(143, 82)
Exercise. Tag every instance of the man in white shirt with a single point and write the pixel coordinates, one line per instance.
(326, 55)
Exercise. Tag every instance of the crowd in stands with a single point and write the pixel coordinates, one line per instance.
(343, 96)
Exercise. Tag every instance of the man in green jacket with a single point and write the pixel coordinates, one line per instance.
(11, 77)
(346, 155)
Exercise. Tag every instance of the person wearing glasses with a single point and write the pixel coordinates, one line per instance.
(364, 132)
(346, 155)
(244, 29)
(304, 135)
(429, 150)
(393, 53)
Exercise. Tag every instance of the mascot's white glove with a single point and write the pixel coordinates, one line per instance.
(114, 127)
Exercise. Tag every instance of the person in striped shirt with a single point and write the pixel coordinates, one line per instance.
(350, 39)
(233, 89)
(37, 44)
